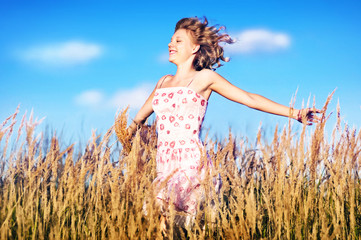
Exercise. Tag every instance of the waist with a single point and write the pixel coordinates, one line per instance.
(171, 142)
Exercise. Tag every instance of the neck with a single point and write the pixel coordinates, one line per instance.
(185, 70)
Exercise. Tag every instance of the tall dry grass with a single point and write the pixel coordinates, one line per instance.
(301, 185)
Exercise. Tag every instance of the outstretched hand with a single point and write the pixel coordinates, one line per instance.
(308, 116)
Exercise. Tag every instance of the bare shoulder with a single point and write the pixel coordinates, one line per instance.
(206, 72)
(162, 79)
(208, 76)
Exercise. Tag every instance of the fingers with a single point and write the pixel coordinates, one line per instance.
(317, 118)
(314, 110)
(309, 116)
(314, 119)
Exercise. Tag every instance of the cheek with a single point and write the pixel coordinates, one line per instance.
(187, 49)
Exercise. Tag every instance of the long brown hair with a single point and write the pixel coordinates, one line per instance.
(208, 38)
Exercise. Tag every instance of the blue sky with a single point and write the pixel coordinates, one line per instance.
(77, 62)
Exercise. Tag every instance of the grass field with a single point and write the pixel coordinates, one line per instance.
(300, 185)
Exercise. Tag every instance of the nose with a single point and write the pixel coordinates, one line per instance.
(170, 44)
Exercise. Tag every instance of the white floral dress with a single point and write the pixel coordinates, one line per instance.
(180, 112)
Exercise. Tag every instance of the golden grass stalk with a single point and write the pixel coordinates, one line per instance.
(121, 130)
(299, 185)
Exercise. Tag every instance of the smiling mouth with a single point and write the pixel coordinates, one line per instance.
(172, 52)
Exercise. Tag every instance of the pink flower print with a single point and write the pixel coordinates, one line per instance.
(173, 105)
(166, 143)
(182, 142)
(163, 117)
(160, 143)
(175, 151)
(190, 116)
(181, 189)
(184, 100)
(168, 151)
(181, 118)
(192, 141)
(192, 167)
(172, 144)
(155, 102)
(190, 91)
(170, 95)
(188, 126)
(187, 149)
(198, 96)
(203, 102)
(176, 124)
(195, 131)
(163, 94)
(156, 94)
(193, 202)
(168, 131)
(199, 118)
(183, 179)
(194, 99)
(171, 118)
(180, 92)
(161, 126)
(180, 151)
(189, 190)
(166, 100)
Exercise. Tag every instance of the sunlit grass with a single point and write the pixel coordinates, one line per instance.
(300, 185)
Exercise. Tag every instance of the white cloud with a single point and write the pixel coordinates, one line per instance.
(89, 98)
(163, 58)
(259, 40)
(134, 97)
(66, 53)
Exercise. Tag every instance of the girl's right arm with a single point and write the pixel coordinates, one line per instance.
(145, 111)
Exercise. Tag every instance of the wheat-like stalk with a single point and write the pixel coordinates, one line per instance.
(299, 185)
(121, 130)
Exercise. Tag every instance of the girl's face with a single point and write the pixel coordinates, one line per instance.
(181, 47)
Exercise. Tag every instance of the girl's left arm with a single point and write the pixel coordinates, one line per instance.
(258, 102)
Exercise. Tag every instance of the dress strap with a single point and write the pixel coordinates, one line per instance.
(163, 80)
(192, 80)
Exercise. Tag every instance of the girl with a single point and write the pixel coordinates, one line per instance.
(180, 103)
